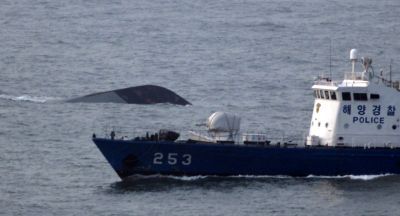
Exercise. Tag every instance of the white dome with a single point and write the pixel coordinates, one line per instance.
(353, 54)
(223, 122)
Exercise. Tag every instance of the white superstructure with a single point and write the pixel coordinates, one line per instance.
(362, 110)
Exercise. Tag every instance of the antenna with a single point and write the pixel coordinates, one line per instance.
(330, 58)
(390, 72)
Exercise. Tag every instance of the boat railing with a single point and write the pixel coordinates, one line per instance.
(326, 81)
(360, 76)
(241, 138)
(356, 76)
(366, 76)
(261, 138)
(209, 136)
(389, 83)
(126, 133)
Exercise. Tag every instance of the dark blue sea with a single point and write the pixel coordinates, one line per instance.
(255, 58)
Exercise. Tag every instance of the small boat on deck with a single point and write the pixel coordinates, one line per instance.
(354, 130)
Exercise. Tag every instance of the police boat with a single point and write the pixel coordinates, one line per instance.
(354, 130)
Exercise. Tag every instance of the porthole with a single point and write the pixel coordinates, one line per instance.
(379, 126)
(319, 124)
(326, 125)
(394, 127)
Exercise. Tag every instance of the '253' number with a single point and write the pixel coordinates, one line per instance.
(172, 158)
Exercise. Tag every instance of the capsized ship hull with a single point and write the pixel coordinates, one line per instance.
(129, 157)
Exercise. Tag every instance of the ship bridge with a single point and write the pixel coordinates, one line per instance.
(360, 110)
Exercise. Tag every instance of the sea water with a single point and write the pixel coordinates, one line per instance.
(256, 59)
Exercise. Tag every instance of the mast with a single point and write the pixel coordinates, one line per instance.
(390, 72)
(330, 59)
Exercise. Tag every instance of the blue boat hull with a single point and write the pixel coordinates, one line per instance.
(128, 157)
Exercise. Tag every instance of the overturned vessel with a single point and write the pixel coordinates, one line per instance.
(145, 94)
(354, 130)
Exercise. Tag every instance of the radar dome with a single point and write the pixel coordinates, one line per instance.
(223, 122)
(353, 54)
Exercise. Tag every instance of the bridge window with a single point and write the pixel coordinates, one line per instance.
(321, 93)
(327, 95)
(346, 96)
(316, 93)
(333, 95)
(360, 96)
(374, 96)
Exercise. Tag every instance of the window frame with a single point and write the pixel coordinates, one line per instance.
(327, 95)
(333, 95)
(360, 96)
(347, 98)
(374, 97)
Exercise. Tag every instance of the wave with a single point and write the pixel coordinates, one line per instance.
(200, 177)
(28, 98)
(182, 178)
(352, 177)
(187, 178)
